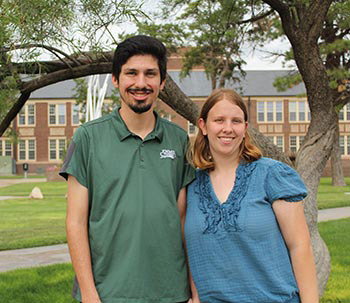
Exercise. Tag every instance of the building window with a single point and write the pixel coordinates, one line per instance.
(5, 148)
(344, 142)
(344, 113)
(278, 141)
(191, 128)
(57, 114)
(56, 148)
(295, 142)
(75, 114)
(270, 111)
(299, 111)
(27, 115)
(26, 149)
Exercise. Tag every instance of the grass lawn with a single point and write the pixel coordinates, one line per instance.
(31, 223)
(39, 285)
(337, 237)
(330, 196)
(54, 283)
(48, 189)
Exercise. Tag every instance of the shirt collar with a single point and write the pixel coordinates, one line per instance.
(123, 131)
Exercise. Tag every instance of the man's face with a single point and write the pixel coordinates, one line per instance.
(139, 82)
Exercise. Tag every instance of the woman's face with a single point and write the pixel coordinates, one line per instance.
(225, 129)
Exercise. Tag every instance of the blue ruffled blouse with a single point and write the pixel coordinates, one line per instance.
(236, 250)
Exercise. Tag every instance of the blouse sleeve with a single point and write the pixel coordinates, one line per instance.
(284, 183)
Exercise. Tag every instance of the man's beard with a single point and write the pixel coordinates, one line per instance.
(140, 108)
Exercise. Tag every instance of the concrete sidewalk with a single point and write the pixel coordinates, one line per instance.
(7, 182)
(37, 256)
(45, 255)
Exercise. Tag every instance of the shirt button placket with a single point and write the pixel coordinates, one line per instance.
(142, 157)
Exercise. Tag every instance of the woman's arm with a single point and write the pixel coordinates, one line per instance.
(291, 219)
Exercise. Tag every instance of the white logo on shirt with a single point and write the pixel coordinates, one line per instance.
(168, 153)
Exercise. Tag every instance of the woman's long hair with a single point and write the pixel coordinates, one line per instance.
(201, 157)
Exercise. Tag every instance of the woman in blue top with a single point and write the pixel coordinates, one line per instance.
(246, 234)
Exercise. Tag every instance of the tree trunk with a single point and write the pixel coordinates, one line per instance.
(303, 24)
(313, 155)
(336, 164)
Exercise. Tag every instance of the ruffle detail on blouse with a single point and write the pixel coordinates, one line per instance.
(226, 213)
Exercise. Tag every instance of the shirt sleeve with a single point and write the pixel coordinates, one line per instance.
(77, 157)
(284, 183)
(188, 170)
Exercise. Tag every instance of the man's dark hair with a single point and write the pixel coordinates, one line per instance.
(139, 45)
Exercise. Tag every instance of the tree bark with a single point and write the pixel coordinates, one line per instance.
(336, 164)
(303, 26)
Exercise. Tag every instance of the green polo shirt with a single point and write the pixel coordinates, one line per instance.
(134, 224)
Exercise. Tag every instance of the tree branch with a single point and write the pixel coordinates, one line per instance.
(278, 6)
(315, 17)
(55, 65)
(257, 18)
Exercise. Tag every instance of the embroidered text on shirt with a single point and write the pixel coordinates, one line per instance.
(167, 153)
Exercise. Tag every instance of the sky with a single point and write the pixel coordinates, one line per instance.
(258, 59)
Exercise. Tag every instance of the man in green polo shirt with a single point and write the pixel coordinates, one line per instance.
(127, 174)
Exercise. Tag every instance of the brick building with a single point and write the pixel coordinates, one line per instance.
(48, 120)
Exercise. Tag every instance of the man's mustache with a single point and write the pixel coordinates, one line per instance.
(139, 90)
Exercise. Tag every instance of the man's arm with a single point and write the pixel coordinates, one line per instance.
(78, 240)
(181, 204)
(291, 219)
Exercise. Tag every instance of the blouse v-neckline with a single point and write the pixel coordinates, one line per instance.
(233, 189)
(223, 215)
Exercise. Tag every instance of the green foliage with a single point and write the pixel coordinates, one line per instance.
(172, 34)
(337, 75)
(334, 45)
(286, 82)
(212, 33)
(8, 93)
(31, 32)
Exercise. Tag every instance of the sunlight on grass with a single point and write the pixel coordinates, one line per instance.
(333, 196)
(337, 237)
(31, 223)
(40, 285)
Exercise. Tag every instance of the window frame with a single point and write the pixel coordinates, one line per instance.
(57, 116)
(57, 148)
(72, 114)
(298, 142)
(26, 150)
(26, 116)
(298, 112)
(266, 113)
(345, 111)
(3, 149)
